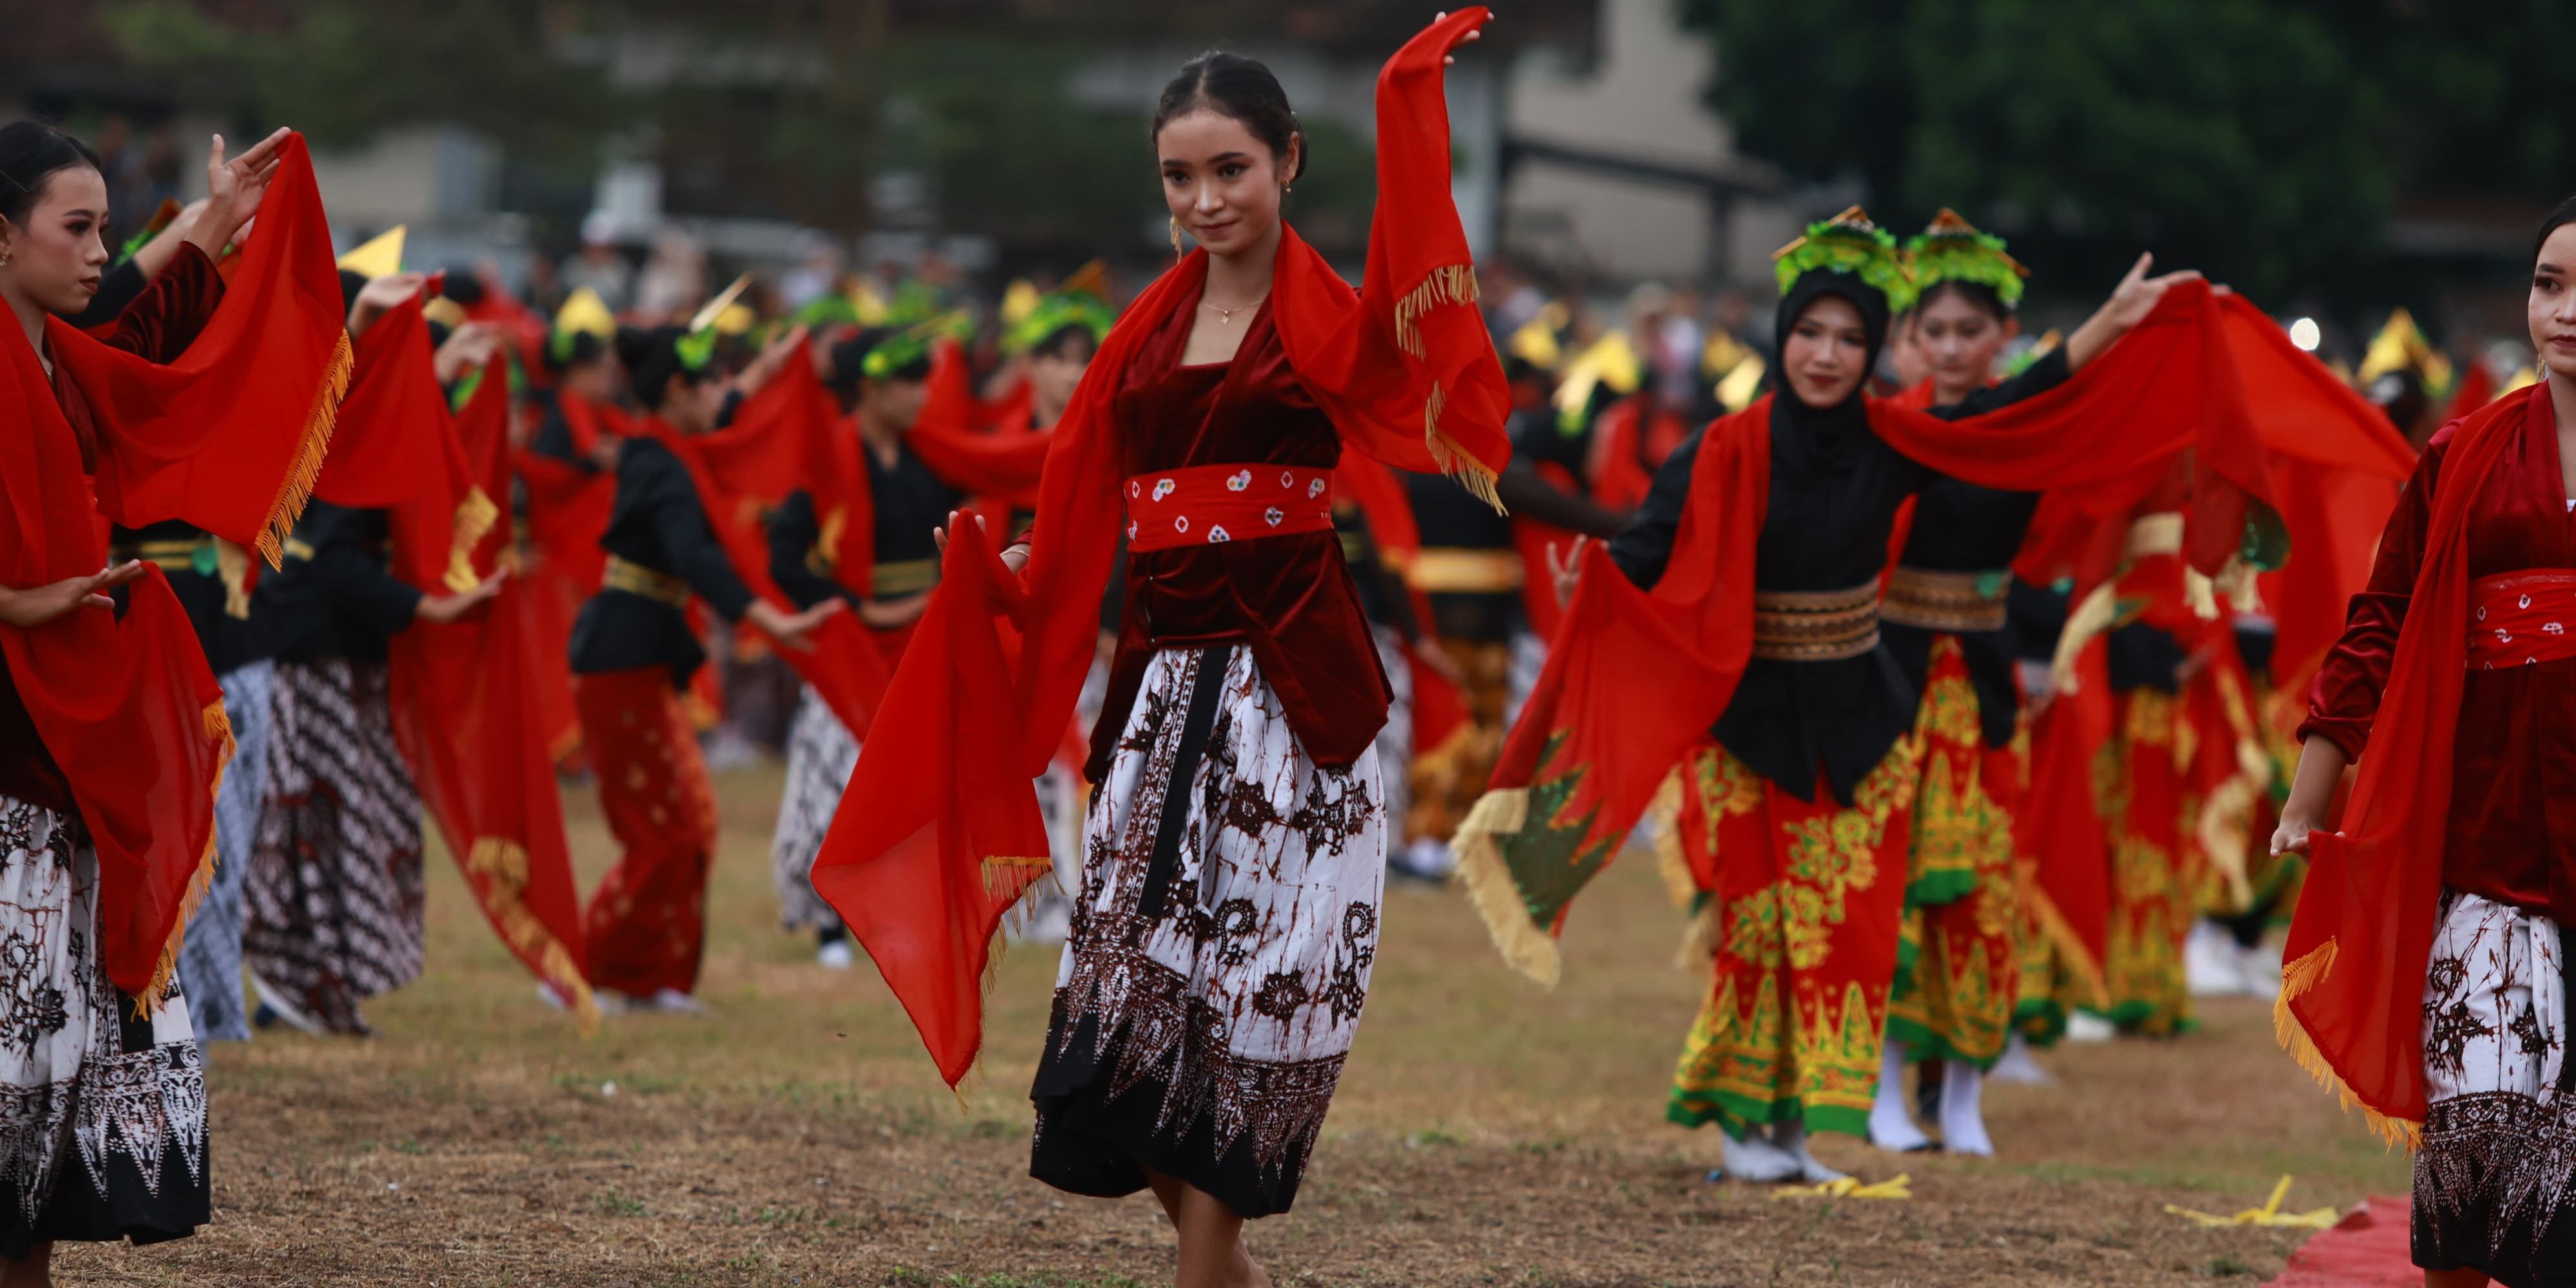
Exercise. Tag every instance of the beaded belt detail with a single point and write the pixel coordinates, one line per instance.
(1815, 625)
(636, 579)
(1201, 505)
(1957, 603)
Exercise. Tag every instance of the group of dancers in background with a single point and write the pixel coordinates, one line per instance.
(1951, 675)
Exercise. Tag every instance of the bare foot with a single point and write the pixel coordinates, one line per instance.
(1247, 1272)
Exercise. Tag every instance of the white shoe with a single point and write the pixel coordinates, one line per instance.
(1791, 1139)
(1427, 859)
(836, 955)
(2085, 1026)
(2209, 963)
(1963, 1119)
(2019, 1066)
(1890, 1126)
(1754, 1159)
(675, 1002)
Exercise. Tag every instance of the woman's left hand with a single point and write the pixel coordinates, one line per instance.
(2131, 301)
(1478, 34)
(233, 191)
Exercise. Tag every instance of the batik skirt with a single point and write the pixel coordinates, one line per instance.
(1220, 949)
(820, 757)
(334, 896)
(2492, 1178)
(1804, 903)
(102, 1111)
(210, 956)
(1959, 968)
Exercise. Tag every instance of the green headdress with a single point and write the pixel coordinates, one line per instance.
(698, 347)
(583, 314)
(1055, 312)
(1848, 243)
(1952, 250)
(906, 348)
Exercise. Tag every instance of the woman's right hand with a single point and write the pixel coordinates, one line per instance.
(2312, 788)
(442, 609)
(791, 631)
(1015, 557)
(1566, 570)
(38, 605)
(379, 297)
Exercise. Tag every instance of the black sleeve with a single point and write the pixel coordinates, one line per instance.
(681, 524)
(1384, 590)
(732, 404)
(115, 291)
(1642, 550)
(347, 571)
(2047, 373)
(794, 533)
(1525, 493)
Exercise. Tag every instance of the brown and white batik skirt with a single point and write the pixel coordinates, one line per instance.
(2491, 1181)
(1220, 948)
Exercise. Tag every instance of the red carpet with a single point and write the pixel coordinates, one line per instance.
(2365, 1250)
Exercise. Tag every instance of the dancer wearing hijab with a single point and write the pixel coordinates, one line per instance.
(878, 376)
(1943, 618)
(1761, 545)
(334, 899)
(204, 404)
(2427, 977)
(632, 655)
(1227, 922)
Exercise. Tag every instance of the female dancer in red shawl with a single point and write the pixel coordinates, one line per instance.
(632, 656)
(2455, 868)
(1806, 792)
(79, 1051)
(1224, 934)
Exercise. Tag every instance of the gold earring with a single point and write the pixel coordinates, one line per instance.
(1176, 234)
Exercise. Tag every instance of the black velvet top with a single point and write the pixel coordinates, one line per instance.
(908, 502)
(335, 596)
(657, 524)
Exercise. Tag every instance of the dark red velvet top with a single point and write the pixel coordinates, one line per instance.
(158, 325)
(2511, 836)
(1289, 599)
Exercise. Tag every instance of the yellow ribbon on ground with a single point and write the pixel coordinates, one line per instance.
(2270, 1214)
(1847, 1188)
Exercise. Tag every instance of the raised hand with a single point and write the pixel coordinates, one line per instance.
(1478, 34)
(2131, 301)
(469, 346)
(233, 190)
(1566, 569)
(1015, 558)
(380, 296)
(38, 605)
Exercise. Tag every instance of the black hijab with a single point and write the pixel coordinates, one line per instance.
(1823, 438)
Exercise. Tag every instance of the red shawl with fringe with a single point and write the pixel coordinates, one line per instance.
(938, 833)
(465, 708)
(397, 452)
(995, 456)
(228, 438)
(2352, 995)
(1634, 677)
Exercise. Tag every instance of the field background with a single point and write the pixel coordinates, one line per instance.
(1486, 1133)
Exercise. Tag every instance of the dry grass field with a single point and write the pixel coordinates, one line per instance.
(1486, 1133)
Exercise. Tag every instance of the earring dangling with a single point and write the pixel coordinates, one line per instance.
(1176, 234)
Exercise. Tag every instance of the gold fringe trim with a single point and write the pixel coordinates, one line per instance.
(2296, 979)
(1665, 812)
(218, 726)
(503, 864)
(2061, 936)
(2090, 618)
(1526, 946)
(1700, 938)
(1450, 284)
(475, 516)
(309, 451)
(2226, 817)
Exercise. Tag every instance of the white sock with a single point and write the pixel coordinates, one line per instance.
(1753, 1159)
(2019, 1066)
(1890, 1126)
(1963, 1121)
(1791, 1139)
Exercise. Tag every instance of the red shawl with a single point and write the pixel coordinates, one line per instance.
(397, 451)
(2352, 996)
(259, 386)
(1634, 677)
(465, 711)
(995, 462)
(939, 834)
(227, 438)
(780, 441)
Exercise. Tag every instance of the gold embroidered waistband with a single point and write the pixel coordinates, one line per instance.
(1815, 625)
(173, 556)
(903, 577)
(1453, 570)
(636, 579)
(1955, 602)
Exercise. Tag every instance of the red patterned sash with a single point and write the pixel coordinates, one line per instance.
(2522, 618)
(1207, 504)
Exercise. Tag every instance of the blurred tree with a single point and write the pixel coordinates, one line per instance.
(2264, 140)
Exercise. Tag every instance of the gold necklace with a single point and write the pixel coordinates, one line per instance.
(1226, 316)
